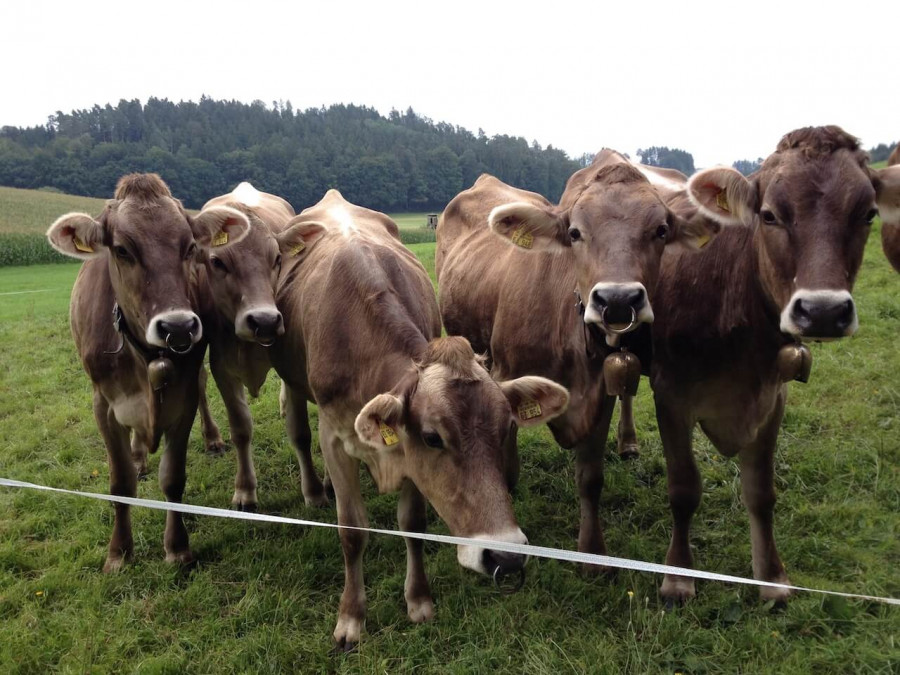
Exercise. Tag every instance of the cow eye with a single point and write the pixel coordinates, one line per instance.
(277, 261)
(123, 254)
(432, 440)
(870, 216)
(574, 234)
(662, 231)
(191, 252)
(219, 265)
(769, 217)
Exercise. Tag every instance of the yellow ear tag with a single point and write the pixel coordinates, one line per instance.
(220, 239)
(722, 201)
(529, 410)
(389, 435)
(81, 246)
(703, 241)
(297, 249)
(522, 238)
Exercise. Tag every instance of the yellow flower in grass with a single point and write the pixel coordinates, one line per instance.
(39, 593)
(630, 594)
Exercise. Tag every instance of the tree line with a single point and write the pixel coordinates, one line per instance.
(398, 162)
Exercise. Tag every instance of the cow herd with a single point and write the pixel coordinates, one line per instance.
(709, 285)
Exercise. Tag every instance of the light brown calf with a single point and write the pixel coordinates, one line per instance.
(135, 310)
(362, 340)
(242, 281)
(508, 262)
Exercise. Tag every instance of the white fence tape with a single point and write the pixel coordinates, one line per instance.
(524, 549)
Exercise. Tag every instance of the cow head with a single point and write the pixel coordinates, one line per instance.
(614, 224)
(447, 427)
(887, 187)
(812, 203)
(150, 244)
(243, 277)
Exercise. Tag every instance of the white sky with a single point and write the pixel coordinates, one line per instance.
(723, 80)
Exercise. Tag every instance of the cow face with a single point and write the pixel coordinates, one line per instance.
(243, 278)
(812, 204)
(150, 244)
(887, 186)
(615, 226)
(449, 427)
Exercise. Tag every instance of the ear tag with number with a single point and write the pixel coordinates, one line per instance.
(520, 237)
(389, 436)
(722, 201)
(297, 248)
(703, 241)
(529, 410)
(220, 239)
(80, 245)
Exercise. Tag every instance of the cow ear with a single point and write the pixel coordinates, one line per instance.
(298, 239)
(693, 234)
(535, 400)
(77, 235)
(887, 194)
(529, 226)
(218, 226)
(724, 195)
(379, 422)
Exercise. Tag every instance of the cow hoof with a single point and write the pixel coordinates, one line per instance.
(215, 447)
(182, 558)
(113, 564)
(245, 508)
(676, 591)
(316, 500)
(343, 647)
(140, 468)
(420, 610)
(629, 451)
(346, 634)
(778, 595)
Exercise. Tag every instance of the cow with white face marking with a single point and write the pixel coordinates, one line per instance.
(362, 340)
(242, 280)
(136, 319)
(508, 262)
(729, 320)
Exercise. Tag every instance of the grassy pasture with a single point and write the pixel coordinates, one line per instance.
(25, 216)
(264, 597)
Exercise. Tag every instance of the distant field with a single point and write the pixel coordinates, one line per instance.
(25, 216)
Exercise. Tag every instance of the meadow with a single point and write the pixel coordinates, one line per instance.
(264, 597)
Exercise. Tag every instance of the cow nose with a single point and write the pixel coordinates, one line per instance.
(265, 325)
(823, 316)
(178, 333)
(620, 303)
(506, 562)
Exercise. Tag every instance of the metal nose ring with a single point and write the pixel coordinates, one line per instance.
(618, 331)
(180, 351)
(500, 575)
(260, 342)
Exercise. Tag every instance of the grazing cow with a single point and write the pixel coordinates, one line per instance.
(890, 209)
(362, 340)
(136, 319)
(508, 262)
(727, 317)
(242, 282)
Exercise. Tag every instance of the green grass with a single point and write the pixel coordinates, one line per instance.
(264, 597)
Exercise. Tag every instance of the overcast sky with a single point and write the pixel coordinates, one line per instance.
(723, 80)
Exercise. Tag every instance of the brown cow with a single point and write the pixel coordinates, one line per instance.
(515, 302)
(726, 314)
(890, 209)
(135, 317)
(242, 282)
(362, 340)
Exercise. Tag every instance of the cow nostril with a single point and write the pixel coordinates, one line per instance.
(846, 312)
(505, 562)
(635, 297)
(598, 299)
(800, 311)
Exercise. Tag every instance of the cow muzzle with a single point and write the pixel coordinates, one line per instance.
(618, 308)
(820, 315)
(260, 324)
(497, 564)
(176, 331)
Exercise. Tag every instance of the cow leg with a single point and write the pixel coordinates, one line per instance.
(172, 479)
(411, 518)
(240, 422)
(297, 421)
(627, 436)
(212, 437)
(351, 511)
(122, 482)
(589, 478)
(684, 497)
(140, 449)
(758, 492)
